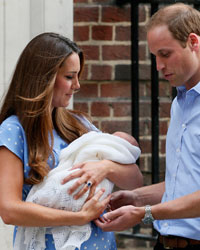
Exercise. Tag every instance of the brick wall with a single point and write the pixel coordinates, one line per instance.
(102, 30)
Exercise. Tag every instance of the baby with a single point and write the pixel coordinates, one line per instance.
(93, 146)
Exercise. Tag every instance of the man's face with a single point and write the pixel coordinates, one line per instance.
(180, 66)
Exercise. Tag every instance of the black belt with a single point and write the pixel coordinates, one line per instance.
(170, 242)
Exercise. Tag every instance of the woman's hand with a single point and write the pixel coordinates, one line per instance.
(93, 208)
(93, 172)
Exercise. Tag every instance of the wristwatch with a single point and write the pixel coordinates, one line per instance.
(148, 217)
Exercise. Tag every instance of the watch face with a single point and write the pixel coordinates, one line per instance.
(147, 220)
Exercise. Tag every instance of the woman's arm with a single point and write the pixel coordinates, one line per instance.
(124, 176)
(17, 212)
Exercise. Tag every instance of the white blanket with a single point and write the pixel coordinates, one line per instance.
(92, 146)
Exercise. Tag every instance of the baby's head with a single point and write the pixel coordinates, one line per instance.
(127, 137)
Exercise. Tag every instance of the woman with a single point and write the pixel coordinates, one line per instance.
(35, 126)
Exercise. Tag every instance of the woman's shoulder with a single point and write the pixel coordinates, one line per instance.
(12, 125)
(12, 135)
(11, 121)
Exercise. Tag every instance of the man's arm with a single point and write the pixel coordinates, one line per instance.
(138, 197)
(128, 216)
(128, 207)
(184, 207)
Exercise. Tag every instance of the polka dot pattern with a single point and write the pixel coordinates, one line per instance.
(13, 137)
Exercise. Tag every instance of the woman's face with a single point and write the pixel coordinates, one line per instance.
(66, 81)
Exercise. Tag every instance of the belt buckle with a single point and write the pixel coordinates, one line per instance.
(166, 244)
(167, 247)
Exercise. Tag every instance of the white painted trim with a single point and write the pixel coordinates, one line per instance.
(51, 16)
(36, 17)
(20, 21)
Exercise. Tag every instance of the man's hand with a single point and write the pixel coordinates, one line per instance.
(121, 218)
(122, 198)
(138, 197)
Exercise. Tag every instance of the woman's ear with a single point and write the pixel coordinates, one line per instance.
(194, 41)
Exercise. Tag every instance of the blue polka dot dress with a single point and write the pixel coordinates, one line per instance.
(12, 136)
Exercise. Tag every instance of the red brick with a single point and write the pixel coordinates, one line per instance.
(116, 52)
(122, 72)
(123, 33)
(163, 146)
(81, 106)
(101, 72)
(112, 126)
(96, 123)
(142, 33)
(84, 73)
(147, 179)
(142, 52)
(142, 160)
(86, 14)
(145, 109)
(121, 109)
(142, 13)
(162, 164)
(120, 104)
(148, 88)
(145, 163)
(164, 89)
(144, 127)
(144, 72)
(161, 179)
(142, 89)
(81, 33)
(87, 91)
(114, 14)
(100, 1)
(145, 145)
(116, 90)
(102, 32)
(165, 109)
(163, 127)
(90, 52)
(80, 1)
(101, 109)
(149, 163)
(145, 89)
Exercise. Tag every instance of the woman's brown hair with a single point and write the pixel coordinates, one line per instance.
(29, 97)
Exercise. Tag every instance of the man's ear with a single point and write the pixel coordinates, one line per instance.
(194, 42)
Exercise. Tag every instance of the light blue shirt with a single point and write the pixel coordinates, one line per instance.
(182, 160)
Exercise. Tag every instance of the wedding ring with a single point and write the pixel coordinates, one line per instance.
(89, 184)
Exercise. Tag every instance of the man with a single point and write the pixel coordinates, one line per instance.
(173, 36)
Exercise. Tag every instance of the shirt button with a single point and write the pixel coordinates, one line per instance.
(183, 125)
(165, 224)
(178, 150)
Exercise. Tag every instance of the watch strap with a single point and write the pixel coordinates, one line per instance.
(148, 217)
